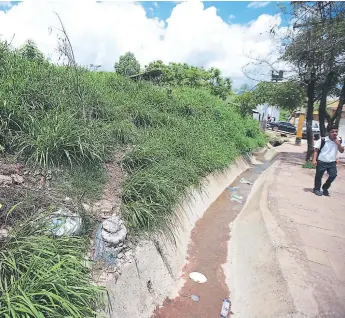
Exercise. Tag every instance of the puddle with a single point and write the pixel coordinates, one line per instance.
(207, 252)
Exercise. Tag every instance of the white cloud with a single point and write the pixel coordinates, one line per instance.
(258, 4)
(101, 32)
(155, 4)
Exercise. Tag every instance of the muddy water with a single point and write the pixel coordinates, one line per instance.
(207, 252)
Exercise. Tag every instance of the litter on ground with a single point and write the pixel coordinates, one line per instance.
(198, 277)
(233, 188)
(195, 298)
(245, 181)
(233, 198)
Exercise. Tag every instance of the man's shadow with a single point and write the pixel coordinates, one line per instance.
(308, 190)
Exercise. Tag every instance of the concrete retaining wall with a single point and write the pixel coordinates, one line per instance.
(154, 274)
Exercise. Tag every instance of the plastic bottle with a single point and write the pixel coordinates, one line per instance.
(225, 308)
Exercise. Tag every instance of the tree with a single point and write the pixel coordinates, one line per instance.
(30, 51)
(312, 49)
(244, 103)
(287, 95)
(178, 74)
(127, 65)
(317, 51)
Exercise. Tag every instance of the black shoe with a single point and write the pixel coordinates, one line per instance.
(318, 193)
(325, 192)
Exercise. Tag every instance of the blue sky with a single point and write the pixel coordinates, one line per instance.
(230, 11)
(239, 12)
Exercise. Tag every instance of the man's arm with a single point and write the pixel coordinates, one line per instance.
(316, 150)
(340, 147)
(317, 147)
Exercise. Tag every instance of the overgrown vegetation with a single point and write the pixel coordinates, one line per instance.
(71, 121)
(44, 276)
(174, 140)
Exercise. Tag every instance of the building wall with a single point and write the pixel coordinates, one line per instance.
(266, 110)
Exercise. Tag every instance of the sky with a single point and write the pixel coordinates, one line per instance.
(223, 34)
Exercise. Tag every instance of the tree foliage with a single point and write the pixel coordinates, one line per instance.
(286, 95)
(316, 49)
(30, 51)
(127, 65)
(178, 74)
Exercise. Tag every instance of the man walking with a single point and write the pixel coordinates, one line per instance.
(324, 158)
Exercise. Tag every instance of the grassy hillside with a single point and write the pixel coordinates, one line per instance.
(53, 116)
(75, 120)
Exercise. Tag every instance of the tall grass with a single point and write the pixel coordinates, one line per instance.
(174, 140)
(43, 276)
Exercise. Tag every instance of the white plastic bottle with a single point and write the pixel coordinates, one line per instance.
(225, 308)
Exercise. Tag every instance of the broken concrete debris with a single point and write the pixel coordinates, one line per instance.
(17, 179)
(113, 231)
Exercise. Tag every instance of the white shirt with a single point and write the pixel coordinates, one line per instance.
(329, 151)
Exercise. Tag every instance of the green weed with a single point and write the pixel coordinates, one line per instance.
(308, 165)
(43, 276)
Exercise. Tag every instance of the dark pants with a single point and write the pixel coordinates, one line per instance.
(331, 168)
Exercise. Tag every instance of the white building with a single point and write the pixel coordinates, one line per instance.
(261, 112)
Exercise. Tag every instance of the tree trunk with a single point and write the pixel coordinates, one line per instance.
(337, 115)
(323, 103)
(322, 115)
(310, 109)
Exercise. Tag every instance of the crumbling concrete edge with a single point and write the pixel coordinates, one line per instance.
(147, 281)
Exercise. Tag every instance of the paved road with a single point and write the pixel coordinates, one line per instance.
(292, 242)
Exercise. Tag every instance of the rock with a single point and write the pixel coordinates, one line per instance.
(86, 207)
(67, 199)
(3, 233)
(113, 231)
(120, 255)
(103, 206)
(66, 222)
(114, 238)
(128, 254)
(5, 180)
(113, 224)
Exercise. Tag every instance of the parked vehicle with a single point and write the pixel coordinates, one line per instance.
(282, 126)
(315, 127)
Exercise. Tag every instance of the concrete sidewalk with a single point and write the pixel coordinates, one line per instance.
(300, 252)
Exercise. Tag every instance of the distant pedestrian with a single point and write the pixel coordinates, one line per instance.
(325, 157)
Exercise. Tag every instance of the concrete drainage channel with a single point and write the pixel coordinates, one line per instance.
(157, 283)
